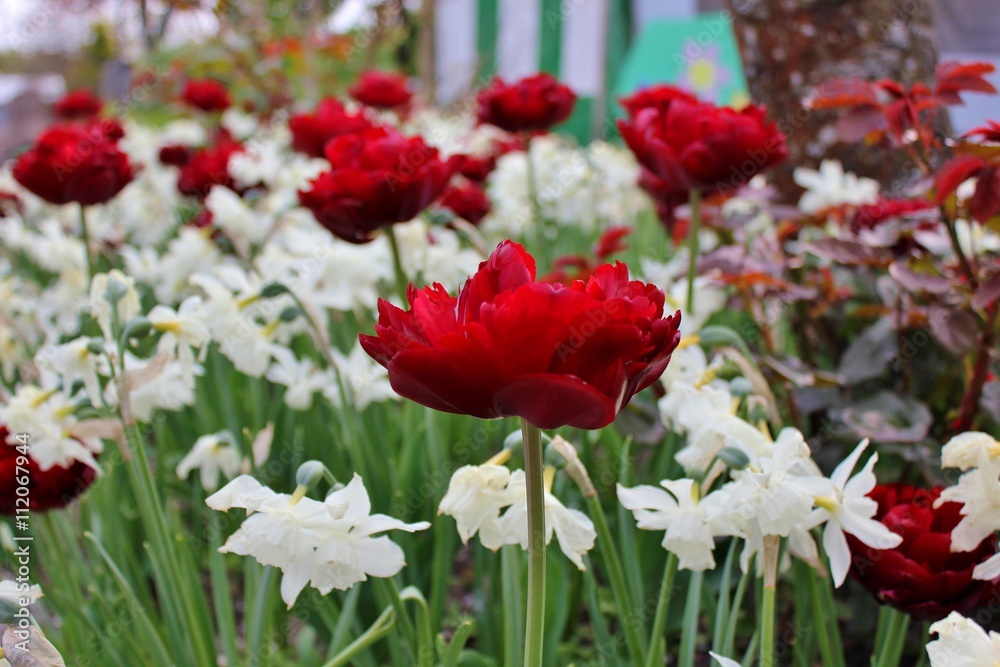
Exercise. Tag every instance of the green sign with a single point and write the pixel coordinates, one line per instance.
(699, 55)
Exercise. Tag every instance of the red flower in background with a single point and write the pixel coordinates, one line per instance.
(377, 177)
(922, 576)
(468, 201)
(475, 167)
(206, 94)
(695, 145)
(656, 97)
(78, 105)
(49, 489)
(381, 90)
(611, 242)
(76, 163)
(208, 167)
(311, 132)
(508, 346)
(533, 104)
(175, 155)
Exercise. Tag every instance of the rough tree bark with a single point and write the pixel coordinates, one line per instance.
(790, 46)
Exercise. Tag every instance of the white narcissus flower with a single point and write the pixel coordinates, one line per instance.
(212, 455)
(573, 529)
(979, 493)
(74, 361)
(962, 642)
(302, 377)
(366, 379)
(329, 544)
(689, 533)
(830, 187)
(184, 330)
(14, 592)
(850, 510)
(100, 304)
(475, 496)
(965, 450)
(725, 662)
(49, 416)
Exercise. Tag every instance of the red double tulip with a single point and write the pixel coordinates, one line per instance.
(695, 145)
(377, 178)
(468, 201)
(922, 576)
(47, 490)
(206, 94)
(381, 90)
(508, 346)
(312, 131)
(209, 166)
(78, 163)
(78, 105)
(660, 96)
(533, 104)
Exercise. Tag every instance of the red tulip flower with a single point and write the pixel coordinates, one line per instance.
(311, 132)
(206, 94)
(382, 90)
(467, 201)
(533, 104)
(209, 166)
(49, 489)
(78, 105)
(76, 163)
(475, 167)
(377, 178)
(922, 576)
(508, 346)
(695, 145)
(656, 97)
(175, 155)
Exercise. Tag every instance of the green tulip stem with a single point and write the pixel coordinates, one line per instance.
(535, 619)
(692, 243)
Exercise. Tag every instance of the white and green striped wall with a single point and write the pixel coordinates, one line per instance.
(582, 42)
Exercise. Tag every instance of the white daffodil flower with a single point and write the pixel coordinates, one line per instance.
(329, 544)
(965, 450)
(302, 377)
(101, 301)
(725, 662)
(962, 642)
(979, 493)
(850, 510)
(689, 533)
(573, 529)
(74, 361)
(184, 330)
(347, 552)
(15, 592)
(830, 187)
(475, 496)
(367, 380)
(211, 455)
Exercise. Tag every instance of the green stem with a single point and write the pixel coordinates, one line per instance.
(895, 639)
(379, 629)
(657, 648)
(692, 243)
(536, 204)
(85, 237)
(402, 282)
(692, 612)
(535, 617)
(770, 554)
(826, 615)
(616, 574)
(513, 619)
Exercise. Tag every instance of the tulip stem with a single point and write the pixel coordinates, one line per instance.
(535, 618)
(85, 237)
(895, 639)
(692, 243)
(536, 205)
(402, 282)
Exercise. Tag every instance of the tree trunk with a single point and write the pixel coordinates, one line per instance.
(790, 46)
